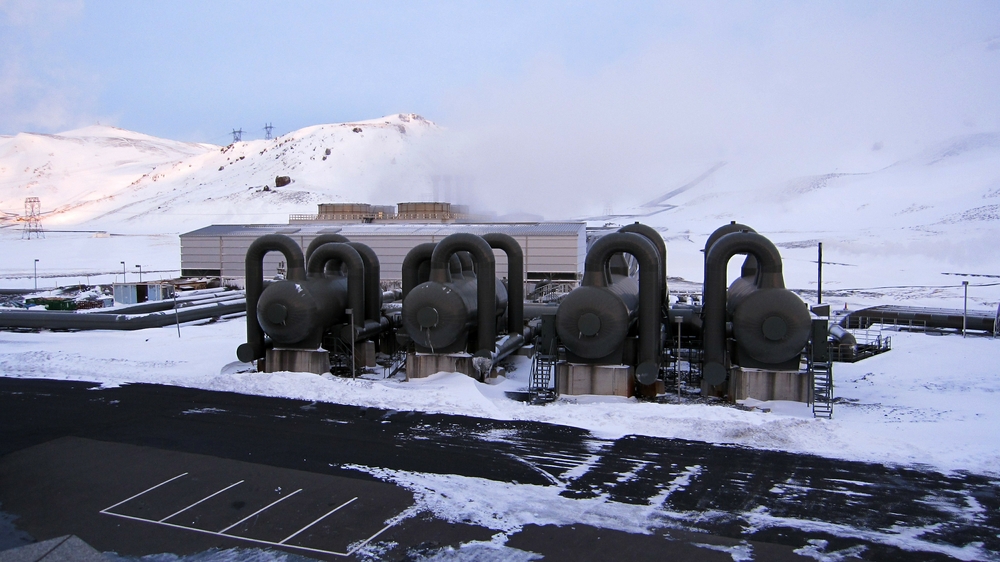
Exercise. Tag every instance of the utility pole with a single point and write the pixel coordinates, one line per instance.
(140, 273)
(123, 272)
(819, 275)
(32, 218)
(36, 274)
(237, 135)
(965, 308)
(267, 131)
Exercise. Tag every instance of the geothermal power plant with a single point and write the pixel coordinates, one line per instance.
(421, 288)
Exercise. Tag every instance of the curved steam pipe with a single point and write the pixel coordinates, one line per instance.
(323, 239)
(486, 289)
(749, 265)
(373, 275)
(254, 347)
(468, 265)
(411, 265)
(661, 248)
(650, 304)
(344, 253)
(515, 278)
(717, 261)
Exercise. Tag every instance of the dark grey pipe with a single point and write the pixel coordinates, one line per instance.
(455, 266)
(717, 261)
(486, 289)
(373, 276)
(254, 347)
(749, 265)
(468, 265)
(324, 239)
(344, 253)
(661, 248)
(168, 304)
(53, 320)
(649, 292)
(515, 278)
(411, 265)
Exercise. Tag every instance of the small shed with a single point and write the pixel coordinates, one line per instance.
(134, 293)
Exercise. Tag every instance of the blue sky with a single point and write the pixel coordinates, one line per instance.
(714, 71)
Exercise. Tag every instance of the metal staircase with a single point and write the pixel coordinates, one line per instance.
(820, 370)
(822, 376)
(540, 384)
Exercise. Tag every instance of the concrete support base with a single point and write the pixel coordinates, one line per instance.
(769, 385)
(420, 365)
(364, 354)
(606, 380)
(297, 360)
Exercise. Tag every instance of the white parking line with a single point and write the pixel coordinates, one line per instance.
(222, 533)
(143, 492)
(334, 510)
(201, 500)
(261, 510)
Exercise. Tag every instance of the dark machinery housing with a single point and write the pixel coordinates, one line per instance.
(453, 302)
(618, 321)
(336, 296)
(770, 324)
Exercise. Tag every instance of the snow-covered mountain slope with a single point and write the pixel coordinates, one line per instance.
(909, 222)
(902, 218)
(109, 179)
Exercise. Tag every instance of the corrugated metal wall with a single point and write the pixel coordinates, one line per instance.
(549, 251)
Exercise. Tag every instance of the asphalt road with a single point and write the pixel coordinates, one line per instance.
(145, 469)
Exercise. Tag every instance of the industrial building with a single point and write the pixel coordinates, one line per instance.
(552, 250)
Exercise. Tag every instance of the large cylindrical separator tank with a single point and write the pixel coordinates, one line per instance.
(771, 325)
(254, 347)
(594, 319)
(296, 312)
(439, 314)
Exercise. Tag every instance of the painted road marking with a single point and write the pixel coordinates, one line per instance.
(283, 543)
(331, 512)
(261, 510)
(201, 500)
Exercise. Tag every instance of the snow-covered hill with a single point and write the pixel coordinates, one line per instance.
(893, 223)
(105, 178)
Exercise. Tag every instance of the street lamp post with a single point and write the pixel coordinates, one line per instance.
(140, 273)
(965, 307)
(123, 272)
(36, 274)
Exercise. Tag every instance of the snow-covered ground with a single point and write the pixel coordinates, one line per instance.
(930, 401)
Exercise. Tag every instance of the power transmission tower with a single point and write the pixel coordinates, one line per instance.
(237, 135)
(267, 131)
(33, 220)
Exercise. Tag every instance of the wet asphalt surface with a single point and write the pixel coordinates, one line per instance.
(69, 451)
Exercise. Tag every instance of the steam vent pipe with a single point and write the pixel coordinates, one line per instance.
(661, 248)
(254, 347)
(373, 275)
(411, 265)
(716, 262)
(324, 239)
(650, 296)
(515, 279)
(344, 253)
(486, 289)
(730, 228)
